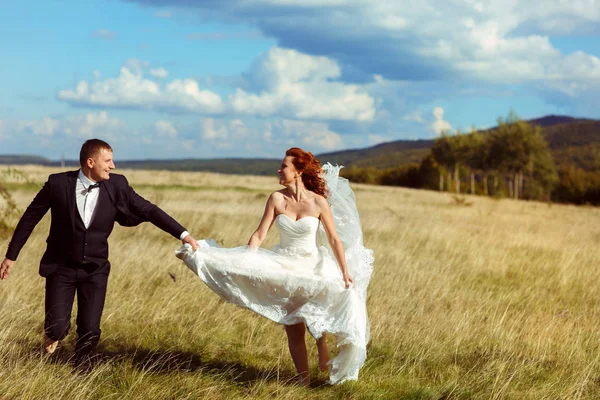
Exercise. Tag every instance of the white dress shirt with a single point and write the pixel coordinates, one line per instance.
(86, 200)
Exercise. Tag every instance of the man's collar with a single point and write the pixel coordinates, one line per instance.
(84, 179)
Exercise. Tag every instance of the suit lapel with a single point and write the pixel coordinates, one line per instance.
(71, 199)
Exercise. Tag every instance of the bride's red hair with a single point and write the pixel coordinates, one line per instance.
(311, 170)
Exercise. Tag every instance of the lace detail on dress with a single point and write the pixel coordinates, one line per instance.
(291, 251)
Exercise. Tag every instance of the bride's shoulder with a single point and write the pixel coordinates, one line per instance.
(276, 196)
(320, 201)
(277, 193)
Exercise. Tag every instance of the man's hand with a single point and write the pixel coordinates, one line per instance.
(5, 268)
(193, 242)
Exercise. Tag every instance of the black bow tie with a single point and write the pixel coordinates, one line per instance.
(94, 186)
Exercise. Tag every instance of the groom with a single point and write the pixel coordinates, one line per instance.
(84, 206)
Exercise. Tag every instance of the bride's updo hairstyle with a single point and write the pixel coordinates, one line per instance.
(311, 170)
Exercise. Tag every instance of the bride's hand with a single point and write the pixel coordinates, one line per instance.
(348, 280)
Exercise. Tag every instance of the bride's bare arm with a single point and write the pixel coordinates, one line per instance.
(333, 239)
(265, 223)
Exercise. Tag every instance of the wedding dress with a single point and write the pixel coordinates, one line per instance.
(299, 279)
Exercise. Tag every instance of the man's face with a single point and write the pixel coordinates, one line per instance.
(100, 165)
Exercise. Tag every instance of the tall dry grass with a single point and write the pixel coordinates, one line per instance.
(473, 299)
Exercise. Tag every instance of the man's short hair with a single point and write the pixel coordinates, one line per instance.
(92, 147)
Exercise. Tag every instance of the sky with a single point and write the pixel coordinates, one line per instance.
(251, 78)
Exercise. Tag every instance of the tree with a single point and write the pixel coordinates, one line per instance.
(477, 157)
(441, 153)
(517, 147)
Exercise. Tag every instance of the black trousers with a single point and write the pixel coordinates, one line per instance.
(89, 282)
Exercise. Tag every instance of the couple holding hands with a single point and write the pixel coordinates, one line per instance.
(316, 277)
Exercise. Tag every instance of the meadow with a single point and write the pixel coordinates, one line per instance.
(471, 298)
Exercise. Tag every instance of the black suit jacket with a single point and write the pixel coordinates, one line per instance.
(58, 195)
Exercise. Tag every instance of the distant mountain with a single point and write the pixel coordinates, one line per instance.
(17, 159)
(550, 120)
(572, 140)
(247, 166)
(384, 155)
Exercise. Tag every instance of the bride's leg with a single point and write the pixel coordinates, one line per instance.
(323, 353)
(295, 334)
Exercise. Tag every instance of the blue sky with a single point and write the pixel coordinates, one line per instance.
(209, 79)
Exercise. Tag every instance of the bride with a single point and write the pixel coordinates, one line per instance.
(299, 283)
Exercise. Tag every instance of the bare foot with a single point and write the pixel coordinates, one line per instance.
(49, 345)
(303, 379)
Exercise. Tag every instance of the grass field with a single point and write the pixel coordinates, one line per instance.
(471, 298)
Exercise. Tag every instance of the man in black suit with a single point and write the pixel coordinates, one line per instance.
(84, 205)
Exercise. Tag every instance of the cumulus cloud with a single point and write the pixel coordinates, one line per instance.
(131, 90)
(282, 82)
(414, 116)
(223, 133)
(263, 137)
(159, 72)
(492, 41)
(439, 125)
(104, 34)
(80, 126)
(296, 85)
(314, 135)
(136, 65)
(43, 127)
(165, 128)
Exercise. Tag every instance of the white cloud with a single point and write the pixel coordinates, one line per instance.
(97, 75)
(439, 125)
(132, 90)
(287, 84)
(104, 34)
(315, 135)
(43, 127)
(80, 126)
(136, 66)
(277, 134)
(165, 128)
(414, 116)
(296, 85)
(225, 133)
(159, 72)
(495, 41)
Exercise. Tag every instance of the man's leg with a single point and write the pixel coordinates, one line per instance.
(91, 292)
(60, 292)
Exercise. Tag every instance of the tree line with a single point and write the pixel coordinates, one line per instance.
(512, 160)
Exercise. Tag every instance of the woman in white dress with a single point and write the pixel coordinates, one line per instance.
(298, 283)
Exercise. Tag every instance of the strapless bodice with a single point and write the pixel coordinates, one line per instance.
(297, 235)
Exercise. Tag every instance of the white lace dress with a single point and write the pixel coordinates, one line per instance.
(297, 281)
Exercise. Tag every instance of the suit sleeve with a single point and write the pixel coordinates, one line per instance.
(34, 213)
(147, 211)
